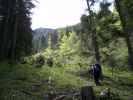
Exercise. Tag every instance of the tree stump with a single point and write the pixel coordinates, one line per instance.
(87, 93)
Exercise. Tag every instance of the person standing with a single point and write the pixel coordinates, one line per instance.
(97, 73)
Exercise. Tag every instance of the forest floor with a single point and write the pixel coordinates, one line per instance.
(25, 82)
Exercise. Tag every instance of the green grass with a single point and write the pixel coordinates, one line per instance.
(17, 81)
(121, 82)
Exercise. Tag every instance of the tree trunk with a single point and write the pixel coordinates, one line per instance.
(13, 56)
(4, 50)
(130, 50)
(127, 33)
(96, 47)
(87, 93)
(93, 33)
(14, 37)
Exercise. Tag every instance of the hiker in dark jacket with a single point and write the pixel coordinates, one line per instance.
(97, 73)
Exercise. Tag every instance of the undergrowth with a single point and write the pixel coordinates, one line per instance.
(25, 82)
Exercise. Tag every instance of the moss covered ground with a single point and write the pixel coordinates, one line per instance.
(25, 82)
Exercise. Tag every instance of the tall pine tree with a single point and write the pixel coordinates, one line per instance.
(15, 28)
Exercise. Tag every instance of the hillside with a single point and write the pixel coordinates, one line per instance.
(40, 32)
(41, 37)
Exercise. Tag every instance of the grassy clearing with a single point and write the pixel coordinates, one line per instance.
(24, 82)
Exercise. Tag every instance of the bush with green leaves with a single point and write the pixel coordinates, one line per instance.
(39, 61)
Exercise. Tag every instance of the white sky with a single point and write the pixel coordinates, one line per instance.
(57, 13)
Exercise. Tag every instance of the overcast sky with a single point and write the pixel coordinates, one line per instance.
(57, 13)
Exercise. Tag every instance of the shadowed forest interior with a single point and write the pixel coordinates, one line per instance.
(91, 60)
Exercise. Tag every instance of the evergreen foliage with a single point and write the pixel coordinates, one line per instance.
(16, 38)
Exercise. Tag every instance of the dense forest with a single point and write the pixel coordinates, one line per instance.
(16, 38)
(56, 64)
